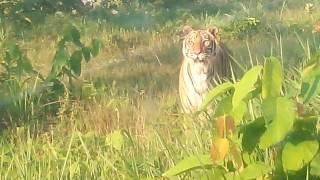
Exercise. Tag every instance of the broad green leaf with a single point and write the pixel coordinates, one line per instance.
(58, 87)
(310, 81)
(190, 163)
(215, 92)
(96, 46)
(75, 34)
(256, 170)
(252, 133)
(245, 85)
(115, 140)
(268, 109)
(86, 53)
(216, 174)
(75, 62)
(315, 166)
(224, 107)
(60, 59)
(280, 112)
(296, 156)
(272, 78)
(238, 112)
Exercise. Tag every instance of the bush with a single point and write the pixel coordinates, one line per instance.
(272, 140)
(23, 89)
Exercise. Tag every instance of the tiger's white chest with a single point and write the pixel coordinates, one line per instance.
(200, 75)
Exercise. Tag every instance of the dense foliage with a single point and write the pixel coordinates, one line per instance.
(20, 83)
(279, 139)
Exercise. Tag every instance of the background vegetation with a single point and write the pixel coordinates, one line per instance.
(92, 92)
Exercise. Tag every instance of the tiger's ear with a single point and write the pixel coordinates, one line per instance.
(186, 29)
(213, 30)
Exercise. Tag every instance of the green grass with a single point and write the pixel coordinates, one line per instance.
(131, 87)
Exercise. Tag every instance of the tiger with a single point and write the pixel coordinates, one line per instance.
(206, 61)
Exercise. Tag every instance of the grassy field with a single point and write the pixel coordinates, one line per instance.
(122, 118)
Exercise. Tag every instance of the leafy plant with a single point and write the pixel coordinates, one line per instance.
(22, 87)
(68, 64)
(241, 28)
(271, 142)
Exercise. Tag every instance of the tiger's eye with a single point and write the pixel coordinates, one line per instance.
(207, 43)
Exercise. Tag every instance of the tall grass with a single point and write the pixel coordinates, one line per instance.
(126, 122)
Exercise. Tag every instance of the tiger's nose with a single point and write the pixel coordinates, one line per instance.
(197, 51)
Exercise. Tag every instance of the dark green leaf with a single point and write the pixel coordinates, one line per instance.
(281, 113)
(68, 72)
(252, 133)
(75, 62)
(61, 57)
(190, 163)
(306, 124)
(96, 46)
(75, 34)
(272, 78)
(295, 156)
(245, 85)
(58, 87)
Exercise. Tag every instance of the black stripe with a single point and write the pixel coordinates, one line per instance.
(188, 71)
(214, 47)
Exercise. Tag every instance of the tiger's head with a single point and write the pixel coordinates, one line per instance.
(199, 45)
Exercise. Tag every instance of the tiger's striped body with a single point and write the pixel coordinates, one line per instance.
(204, 59)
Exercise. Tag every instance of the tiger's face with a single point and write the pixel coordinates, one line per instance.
(199, 45)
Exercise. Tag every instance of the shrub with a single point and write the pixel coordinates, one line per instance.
(278, 138)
